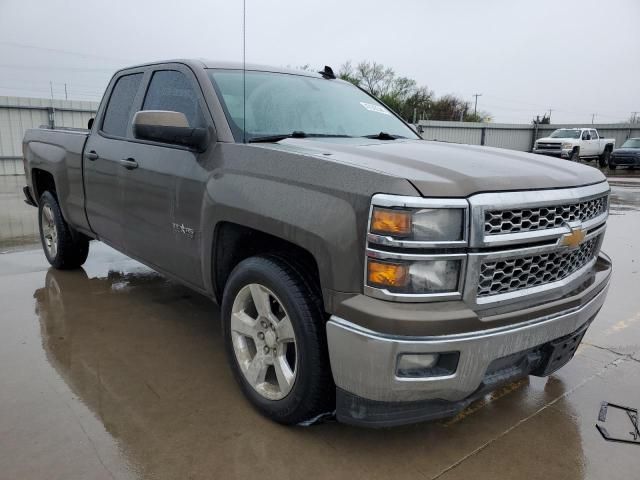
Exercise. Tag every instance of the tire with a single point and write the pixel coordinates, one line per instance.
(575, 156)
(64, 248)
(603, 161)
(283, 290)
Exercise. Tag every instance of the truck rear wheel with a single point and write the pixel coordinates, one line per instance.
(275, 340)
(603, 161)
(64, 248)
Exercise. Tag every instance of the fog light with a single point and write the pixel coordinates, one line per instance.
(418, 365)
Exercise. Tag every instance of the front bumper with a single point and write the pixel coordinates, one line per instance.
(624, 161)
(553, 153)
(370, 393)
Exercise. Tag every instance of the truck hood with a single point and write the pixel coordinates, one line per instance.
(627, 151)
(446, 169)
(556, 140)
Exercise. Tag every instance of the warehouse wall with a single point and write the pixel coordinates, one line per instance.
(513, 136)
(18, 114)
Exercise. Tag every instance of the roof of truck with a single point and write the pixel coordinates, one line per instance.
(204, 63)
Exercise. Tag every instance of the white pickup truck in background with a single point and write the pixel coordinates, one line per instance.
(575, 144)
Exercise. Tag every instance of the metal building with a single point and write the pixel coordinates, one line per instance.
(514, 136)
(18, 114)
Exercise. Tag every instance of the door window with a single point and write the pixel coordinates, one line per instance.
(585, 135)
(594, 135)
(118, 111)
(171, 90)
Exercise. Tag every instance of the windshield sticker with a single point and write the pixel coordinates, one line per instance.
(375, 108)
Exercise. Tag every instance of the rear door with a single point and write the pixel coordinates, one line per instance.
(163, 193)
(595, 142)
(105, 148)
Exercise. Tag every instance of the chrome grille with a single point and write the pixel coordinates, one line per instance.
(498, 222)
(549, 146)
(518, 273)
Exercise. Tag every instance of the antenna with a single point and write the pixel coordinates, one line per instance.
(327, 72)
(244, 71)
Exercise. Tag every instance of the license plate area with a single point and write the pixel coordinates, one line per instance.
(558, 352)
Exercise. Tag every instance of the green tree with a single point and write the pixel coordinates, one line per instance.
(404, 96)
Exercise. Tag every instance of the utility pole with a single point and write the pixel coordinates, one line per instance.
(550, 110)
(51, 87)
(65, 92)
(593, 116)
(475, 108)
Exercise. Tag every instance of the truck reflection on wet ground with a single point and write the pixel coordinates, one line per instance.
(113, 371)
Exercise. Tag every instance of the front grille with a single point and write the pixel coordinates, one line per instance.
(498, 222)
(518, 273)
(549, 146)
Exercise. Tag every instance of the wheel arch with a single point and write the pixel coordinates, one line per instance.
(42, 181)
(233, 242)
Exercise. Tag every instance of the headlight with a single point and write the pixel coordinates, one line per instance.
(414, 278)
(567, 146)
(419, 224)
(415, 248)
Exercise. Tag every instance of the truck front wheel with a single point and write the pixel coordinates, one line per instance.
(275, 340)
(575, 156)
(64, 248)
(604, 158)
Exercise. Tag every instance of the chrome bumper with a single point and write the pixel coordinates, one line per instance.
(363, 362)
(553, 153)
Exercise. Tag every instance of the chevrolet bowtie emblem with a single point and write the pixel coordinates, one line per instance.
(574, 238)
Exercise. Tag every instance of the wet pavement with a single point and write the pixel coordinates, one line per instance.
(113, 371)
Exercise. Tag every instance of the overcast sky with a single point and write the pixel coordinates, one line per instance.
(577, 57)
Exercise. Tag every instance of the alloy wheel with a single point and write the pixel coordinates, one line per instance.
(264, 342)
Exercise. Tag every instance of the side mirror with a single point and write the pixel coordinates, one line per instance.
(588, 137)
(169, 127)
(90, 123)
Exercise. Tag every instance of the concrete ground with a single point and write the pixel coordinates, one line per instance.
(114, 372)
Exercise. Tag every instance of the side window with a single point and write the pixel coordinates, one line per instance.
(594, 135)
(171, 90)
(118, 111)
(585, 134)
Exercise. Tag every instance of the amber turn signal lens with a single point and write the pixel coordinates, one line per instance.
(387, 274)
(386, 221)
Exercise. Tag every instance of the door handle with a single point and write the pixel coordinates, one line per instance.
(92, 155)
(129, 163)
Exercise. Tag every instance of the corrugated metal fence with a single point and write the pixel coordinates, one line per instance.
(513, 136)
(18, 114)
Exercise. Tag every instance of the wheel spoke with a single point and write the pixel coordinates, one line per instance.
(257, 370)
(260, 297)
(284, 375)
(243, 324)
(284, 328)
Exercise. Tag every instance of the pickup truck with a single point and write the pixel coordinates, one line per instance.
(576, 144)
(362, 272)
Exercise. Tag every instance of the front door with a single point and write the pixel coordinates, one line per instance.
(157, 179)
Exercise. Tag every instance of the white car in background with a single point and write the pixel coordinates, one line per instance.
(575, 144)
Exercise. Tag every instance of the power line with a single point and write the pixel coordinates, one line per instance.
(66, 52)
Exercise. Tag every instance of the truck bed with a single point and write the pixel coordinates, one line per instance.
(58, 152)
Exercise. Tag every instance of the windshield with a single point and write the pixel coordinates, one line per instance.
(565, 133)
(632, 143)
(280, 104)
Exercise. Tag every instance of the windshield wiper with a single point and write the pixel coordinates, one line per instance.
(296, 134)
(383, 136)
(277, 138)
